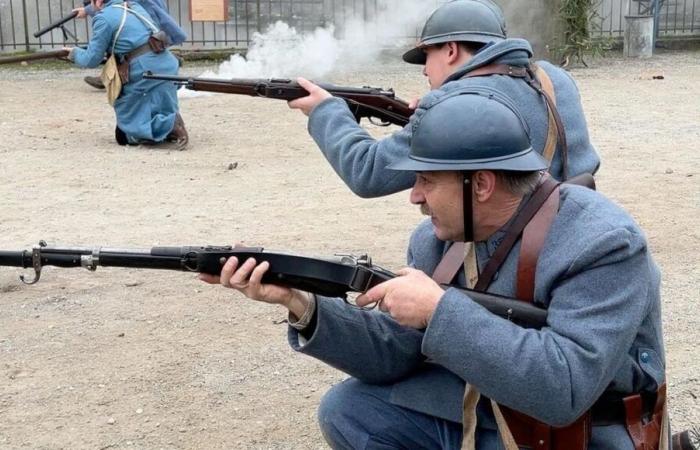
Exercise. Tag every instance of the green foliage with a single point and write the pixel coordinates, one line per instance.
(577, 17)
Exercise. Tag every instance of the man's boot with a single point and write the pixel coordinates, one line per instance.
(686, 440)
(179, 134)
(95, 82)
(120, 136)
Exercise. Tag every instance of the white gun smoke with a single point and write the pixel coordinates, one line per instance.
(283, 52)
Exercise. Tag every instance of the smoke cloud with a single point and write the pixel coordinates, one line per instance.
(282, 51)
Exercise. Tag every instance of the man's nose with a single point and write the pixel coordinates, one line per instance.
(425, 73)
(416, 196)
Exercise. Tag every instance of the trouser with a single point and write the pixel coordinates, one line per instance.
(355, 415)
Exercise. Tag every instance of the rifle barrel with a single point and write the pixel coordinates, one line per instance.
(60, 21)
(56, 24)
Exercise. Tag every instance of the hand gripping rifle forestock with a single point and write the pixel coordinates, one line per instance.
(327, 277)
(365, 102)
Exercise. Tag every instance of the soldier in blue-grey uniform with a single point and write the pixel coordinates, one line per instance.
(459, 38)
(146, 110)
(158, 10)
(409, 363)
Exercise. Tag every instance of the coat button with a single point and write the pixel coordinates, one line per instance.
(645, 357)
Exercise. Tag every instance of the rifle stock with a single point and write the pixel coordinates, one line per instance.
(57, 54)
(327, 277)
(365, 102)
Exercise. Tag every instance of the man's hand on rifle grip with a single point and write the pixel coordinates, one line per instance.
(413, 104)
(311, 101)
(410, 298)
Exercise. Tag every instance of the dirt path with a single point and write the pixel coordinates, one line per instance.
(142, 359)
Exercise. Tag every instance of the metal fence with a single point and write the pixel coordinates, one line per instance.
(673, 18)
(19, 19)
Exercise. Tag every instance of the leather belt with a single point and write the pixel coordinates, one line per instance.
(138, 51)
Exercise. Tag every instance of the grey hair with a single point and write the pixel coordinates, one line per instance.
(519, 183)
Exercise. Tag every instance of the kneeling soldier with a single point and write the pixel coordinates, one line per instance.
(592, 378)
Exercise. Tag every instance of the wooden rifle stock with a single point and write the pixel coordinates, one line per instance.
(57, 54)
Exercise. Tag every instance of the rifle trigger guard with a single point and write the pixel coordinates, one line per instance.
(36, 264)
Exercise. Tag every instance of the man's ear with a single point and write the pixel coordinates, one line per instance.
(483, 185)
(453, 52)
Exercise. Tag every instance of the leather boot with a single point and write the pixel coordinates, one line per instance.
(685, 440)
(95, 82)
(120, 136)
(179, 133)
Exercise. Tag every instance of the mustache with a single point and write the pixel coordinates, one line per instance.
(425, 210)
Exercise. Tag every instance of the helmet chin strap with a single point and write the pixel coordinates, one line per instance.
(468, 212)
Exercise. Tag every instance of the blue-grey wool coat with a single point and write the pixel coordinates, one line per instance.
(145, 109)
(601, 286)
(158, 10)
(361, 161)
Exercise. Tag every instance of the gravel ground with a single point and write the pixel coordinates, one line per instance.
(142, 359)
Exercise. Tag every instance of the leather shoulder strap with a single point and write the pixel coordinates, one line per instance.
(548, 88)
(535, 81)
(531, 245)
(514, 231)
(449, 265)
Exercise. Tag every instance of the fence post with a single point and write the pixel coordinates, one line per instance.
(26, 24)
(655, 13)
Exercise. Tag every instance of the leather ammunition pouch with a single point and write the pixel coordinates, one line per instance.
(531, 433)
(644, 425)
(157, 42)
(640, 413)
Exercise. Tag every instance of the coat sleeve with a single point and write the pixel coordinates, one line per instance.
(367, 345)
(556, 373)
(175, 33)
(360, 160)
(97, 47)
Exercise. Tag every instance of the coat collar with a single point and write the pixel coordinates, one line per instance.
(514, 52)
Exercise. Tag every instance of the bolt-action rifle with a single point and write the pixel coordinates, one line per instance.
(60, 22)
(328, 277)
(370, 102)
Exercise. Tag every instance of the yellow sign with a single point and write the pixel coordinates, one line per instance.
(208, 10)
